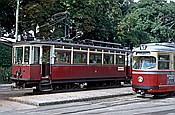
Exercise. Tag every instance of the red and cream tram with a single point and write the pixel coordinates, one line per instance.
(50, 65)
(154, 69)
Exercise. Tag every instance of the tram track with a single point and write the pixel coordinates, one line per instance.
(109, 104)
(98, 106)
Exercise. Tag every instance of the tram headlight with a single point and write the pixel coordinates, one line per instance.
(140, 79)
(17, 74)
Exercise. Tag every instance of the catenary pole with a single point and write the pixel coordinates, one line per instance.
(17, 18)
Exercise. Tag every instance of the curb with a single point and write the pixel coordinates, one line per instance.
(5, 85)
(66, 101)
(81, 100)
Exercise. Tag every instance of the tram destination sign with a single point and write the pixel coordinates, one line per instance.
(142, 53)
(170, 79)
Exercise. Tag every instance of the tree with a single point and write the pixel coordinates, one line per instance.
(97, 19)
(148, 21)
(35, 13)
(7, 17)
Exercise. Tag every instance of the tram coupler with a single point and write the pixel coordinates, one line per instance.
(14, 85)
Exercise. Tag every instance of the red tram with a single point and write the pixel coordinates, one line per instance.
(154, 69)
(51, 65)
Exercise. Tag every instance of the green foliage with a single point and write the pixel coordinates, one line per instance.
(7, 11)
(95, 18)
(33, 13)
(108, 20)
(5, 74)
(5, 56)
(148, 21)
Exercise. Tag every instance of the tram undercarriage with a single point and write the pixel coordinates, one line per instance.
(71, 85)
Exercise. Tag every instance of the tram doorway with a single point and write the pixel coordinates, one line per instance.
(46, 61)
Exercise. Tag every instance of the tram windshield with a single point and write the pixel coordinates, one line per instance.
(144, 62)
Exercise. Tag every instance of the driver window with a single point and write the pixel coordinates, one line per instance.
(144, 63)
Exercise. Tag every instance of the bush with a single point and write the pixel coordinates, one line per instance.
(5, 63)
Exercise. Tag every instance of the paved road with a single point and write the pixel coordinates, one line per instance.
(124, 105)
(6, 92)
(6, 105)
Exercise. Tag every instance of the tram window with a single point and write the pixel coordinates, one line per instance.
(19, 55)
(62, 57)
(26, 55)
(120, 59)
(144, 62)
(36, 55)
(108, 59)
(163, 61)
(80, 57)
(95, 58)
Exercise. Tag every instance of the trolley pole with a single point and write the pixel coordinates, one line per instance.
(17, 18)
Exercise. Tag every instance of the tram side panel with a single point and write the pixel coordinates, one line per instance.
(90, 72)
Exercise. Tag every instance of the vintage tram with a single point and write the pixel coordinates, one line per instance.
(154, 69)
(58, 65)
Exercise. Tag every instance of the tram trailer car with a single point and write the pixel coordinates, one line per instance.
(49, 65)
(154, 69)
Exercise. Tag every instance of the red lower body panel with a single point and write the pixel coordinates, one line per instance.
(83, 72)
(153, 81)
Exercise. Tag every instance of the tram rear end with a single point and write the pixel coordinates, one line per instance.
(153, 69)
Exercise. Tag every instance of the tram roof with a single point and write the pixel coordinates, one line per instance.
(106, 45)
(159, 47)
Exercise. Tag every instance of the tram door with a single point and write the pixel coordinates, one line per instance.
(46, 61)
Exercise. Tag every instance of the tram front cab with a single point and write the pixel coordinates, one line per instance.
(31, 63)
(153, 72)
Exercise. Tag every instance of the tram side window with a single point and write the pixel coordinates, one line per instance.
(18, 55)
(108, 59)
(26, 55)
(95, 58)
(36, 55)
(80, 57)
(120, 59)
(62, 57)
(163, 61)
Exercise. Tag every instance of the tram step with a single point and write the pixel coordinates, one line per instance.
(46, 87)
(45, 84)
(47, 90)
(45, 81)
